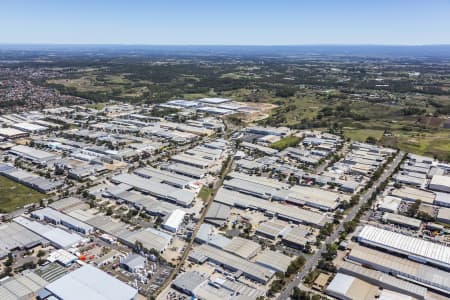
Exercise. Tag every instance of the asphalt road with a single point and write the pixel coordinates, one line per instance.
(319, 169)
(188, 248)
(314, 259)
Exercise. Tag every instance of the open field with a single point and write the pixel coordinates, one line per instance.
(82, 84)
(204, 193)
(406, 135)
(305, 108)
(337, 95)
(14, 195)
(289, 141)
(97, 106)
(361, 135)
(435, 144)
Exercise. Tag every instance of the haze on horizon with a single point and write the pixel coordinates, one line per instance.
(232, 22)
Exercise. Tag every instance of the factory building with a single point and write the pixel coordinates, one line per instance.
(150, 238)
(249, 187)
(188, 282)
(217, 214)
(13, 236)
(274, 260)
(232, 262)
(284, 212)
(443, 215)
(192, 160)
(174, 220)
(401, 220)
(156, 189)
(185, 170)
(412, 194)
(56, 236)
(36, 182)
(347, 287)
(29, 127)
(258, 148)
(297, 237)
(256, 186)
(21, 287)
(160, 176)
(278, 131)
(34, 155)
(414, 248)
(407, 269)
(133, 262)
(442, 199)
(89, 282)
(11, 133)
(384, 281)
(53, 216)
(271, 229)
(309, 196)
(440, 183)
(389, 204)
(206, 235)
(242, 247)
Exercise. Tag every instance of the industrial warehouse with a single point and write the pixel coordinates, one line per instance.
(432, 253)
(159, 207)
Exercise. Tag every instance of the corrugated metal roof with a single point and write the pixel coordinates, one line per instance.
(408, 269)
(290, 212)
(164, 191)
(235, 262)
(340, 284)
(89, 282)
(432, 252)
(274, 260)
(57, 236)
(175, 219)
(242, 247)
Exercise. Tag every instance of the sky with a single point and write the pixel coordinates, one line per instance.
(225, 22)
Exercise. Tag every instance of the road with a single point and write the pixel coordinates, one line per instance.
(320, 168)
(209, 201)
(314, 259)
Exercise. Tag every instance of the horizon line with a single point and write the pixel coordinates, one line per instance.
(221, 45)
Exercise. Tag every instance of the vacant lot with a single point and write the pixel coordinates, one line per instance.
(361, 135)
(289, 141)
(204, 193)
(435, 144)
(14, 195)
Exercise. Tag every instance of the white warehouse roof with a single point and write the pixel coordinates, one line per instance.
(48, 213)
(90, 283)
(214, 100)
(32, 153)
(11, 132)
(57, 236)
(423, 250)
(156, 189)
(440, 183)
(175, 220)
(29, 127)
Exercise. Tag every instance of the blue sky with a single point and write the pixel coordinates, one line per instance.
(235, 22)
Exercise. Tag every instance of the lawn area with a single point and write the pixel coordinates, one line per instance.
(15, 195)
(97, 106)
(194, 96)
(305, 108)
(87, 83)
(361, 135)
(204, 193)
(435, 144)
(289, 141)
